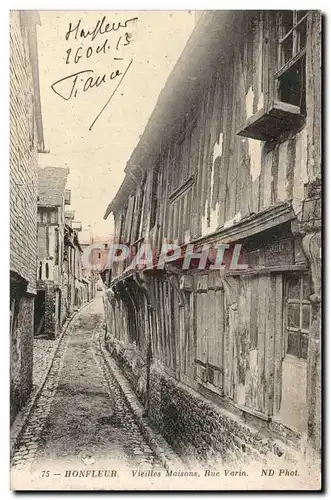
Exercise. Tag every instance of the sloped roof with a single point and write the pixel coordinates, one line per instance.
(51, 185)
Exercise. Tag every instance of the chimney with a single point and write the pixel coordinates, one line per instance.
(67, 197)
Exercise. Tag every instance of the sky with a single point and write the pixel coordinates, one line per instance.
(135, 55)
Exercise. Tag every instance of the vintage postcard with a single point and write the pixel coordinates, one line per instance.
(165, 250)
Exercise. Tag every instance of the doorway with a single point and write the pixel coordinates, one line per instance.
(39, 314)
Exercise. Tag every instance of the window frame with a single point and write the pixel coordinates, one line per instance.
(180, 187)
(297, 54)
(293, 30)
(296, 330)
(276, 116)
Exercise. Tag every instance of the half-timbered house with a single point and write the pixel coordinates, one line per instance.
(227, 363)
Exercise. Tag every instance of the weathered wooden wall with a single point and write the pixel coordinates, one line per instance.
(233, 176)
(207, 177)
(235, 350)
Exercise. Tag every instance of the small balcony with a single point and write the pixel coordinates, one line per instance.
(266, 125)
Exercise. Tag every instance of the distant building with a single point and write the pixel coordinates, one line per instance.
(90, 275)
(96, 262)
(26, 139)
(75, 285)
(68, 275)
(50, 310)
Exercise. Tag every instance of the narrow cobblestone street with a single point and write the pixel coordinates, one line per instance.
(80, 420)
(165, 272)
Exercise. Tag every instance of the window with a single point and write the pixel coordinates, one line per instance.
(57, 246)
(283, 74)
(154, 201)
(290, 75)
(53, 217)
(298, 316)
(185, 161)
(292, 30)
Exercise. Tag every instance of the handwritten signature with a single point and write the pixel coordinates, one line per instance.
(82, 81)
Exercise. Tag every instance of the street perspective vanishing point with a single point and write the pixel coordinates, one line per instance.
(165, 250)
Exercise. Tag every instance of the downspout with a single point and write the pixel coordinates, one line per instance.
(174, 281)
(141, 281)
(148, 361)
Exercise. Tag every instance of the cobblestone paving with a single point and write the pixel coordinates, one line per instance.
(43, 350)
(80, 418)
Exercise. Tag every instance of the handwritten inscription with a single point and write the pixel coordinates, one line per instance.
(99, 29)
(79, 82)
(80, 53)
(87, 82)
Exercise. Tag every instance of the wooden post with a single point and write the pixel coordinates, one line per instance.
(312, 248)
(174, 281)
(312, 239)
(142, 282)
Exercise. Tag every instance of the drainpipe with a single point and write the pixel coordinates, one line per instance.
(141, 281)
(148, 362)
(174, 281)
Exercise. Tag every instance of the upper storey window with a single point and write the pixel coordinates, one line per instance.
(283, 75)
(291, 81)
(185, 161)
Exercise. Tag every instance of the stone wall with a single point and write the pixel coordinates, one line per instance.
(195, 427)
(23, 213)
(198, 429)
(21, 355)
(131, 363)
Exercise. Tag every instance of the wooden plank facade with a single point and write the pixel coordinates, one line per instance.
(231, 153)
